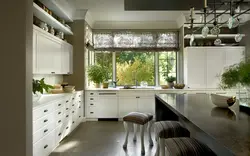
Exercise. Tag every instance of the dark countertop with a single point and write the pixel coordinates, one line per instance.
(229, 127)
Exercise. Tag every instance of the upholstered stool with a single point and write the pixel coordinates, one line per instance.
(168, 129)
(186, 147)
(141, 119)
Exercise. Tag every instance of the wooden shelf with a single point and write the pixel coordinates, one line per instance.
(47, 18)
(199, 36)
(53, 6)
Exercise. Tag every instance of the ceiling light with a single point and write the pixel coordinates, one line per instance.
(233, 22)
(205, 31)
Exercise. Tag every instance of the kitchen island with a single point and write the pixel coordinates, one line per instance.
(225, 131)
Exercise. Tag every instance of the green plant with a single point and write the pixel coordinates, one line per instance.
(40, 86)
(96, 73)
(236, 74)
(170, 79)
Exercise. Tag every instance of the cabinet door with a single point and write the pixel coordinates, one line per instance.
(67, 62)
(146, 105)
(48, 55)
(107, 107)
(196, 68)
(34, 51)
(127, 105)
(234, 55)
(215, 65)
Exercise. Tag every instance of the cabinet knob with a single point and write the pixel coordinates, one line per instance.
(80, 107)
(91, 99)
(73, 105)
(91, 104)
(91, 112)
(59, 121)
(73, 122)
(67, 108)
(73, 98)
(45, 146)
(67, 101)
(79, 116)
(45, 120)
(59, 134)
(59, 104)
(80, 101)
(73, 112)
(59, 112)
(53, 72)
(91, 93)
(67, 127)
(67, 116)
(46, 130)
(45, 111)
(79, 95)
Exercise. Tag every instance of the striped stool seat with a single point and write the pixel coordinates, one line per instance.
(168, 129)
(137, 118)
(186, 147)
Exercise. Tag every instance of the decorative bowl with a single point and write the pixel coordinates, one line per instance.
(179, 86)
(223, 101)
(164, 86)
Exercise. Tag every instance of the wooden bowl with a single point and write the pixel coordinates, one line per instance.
(223, 101)
(164, 86)
(179, 86)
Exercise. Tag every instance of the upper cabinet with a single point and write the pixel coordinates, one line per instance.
(204, 65)
(50, 54)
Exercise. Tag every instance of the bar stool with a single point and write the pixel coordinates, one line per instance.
(168, 129)
(186, 147)
(141, 119)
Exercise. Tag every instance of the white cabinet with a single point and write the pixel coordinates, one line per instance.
(204, 65)
(146, 104)
(50, 54)
(107, 107)
(127, 105)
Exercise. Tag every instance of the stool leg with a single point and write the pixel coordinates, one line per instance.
(149, 133)
(142, 139)
(162, 147)
(135, 130)
(157, 147)
(127, 133)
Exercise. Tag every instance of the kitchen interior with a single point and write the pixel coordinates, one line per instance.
(95, 62)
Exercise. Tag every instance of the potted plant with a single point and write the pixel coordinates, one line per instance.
(170, 80)
(107, 77)
(96, 74)
(39, 86)
(238, 74)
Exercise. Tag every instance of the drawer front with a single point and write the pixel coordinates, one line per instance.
(68, 128)
(45, 146)
(92, 104)
(92, 99)
(91, 93)
(58, 104)
(59, 133)
(91, 112)
(43, 122)
(59, 112)
(41, 112)
(43, 132)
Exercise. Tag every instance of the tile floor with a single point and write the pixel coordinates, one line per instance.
(103, 138)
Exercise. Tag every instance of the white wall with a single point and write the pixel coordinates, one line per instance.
(50, 79)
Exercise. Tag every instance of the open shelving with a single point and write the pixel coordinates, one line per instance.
(199, 36)
(47, 18)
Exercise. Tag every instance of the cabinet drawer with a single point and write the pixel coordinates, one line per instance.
(43, 122)
(58, 104)
(91, 104)
(45, 110)
(43, 132)
(45, 145)
(59, 121)
(92, 99)
(91, 113)
(59, 112)
(59, 132)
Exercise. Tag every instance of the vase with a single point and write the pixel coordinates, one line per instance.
(105, 85)
(97, 85)
(36, 97)
(171, 85)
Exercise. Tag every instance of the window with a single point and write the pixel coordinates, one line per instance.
(131, 66)
(127, 66)
(167, 65)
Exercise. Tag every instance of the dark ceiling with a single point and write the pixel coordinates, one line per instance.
(133, 5)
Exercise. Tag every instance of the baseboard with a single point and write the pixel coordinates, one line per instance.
(107, 119)
(91, 119)
(84, 119)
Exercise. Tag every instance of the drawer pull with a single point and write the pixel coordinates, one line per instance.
(45, 120)
(45, 146)
(79, 95)
(53, 72)
(73, 98)
(46, 130)
(73, 122)
(67, 108)
(79, 116)
(59, 134)
(59, 104)
(59, 112)
(73, 112)
(91, 99)
(59, 121)
(73, 105)
(91, 112)
(67, 101)
(67, 127)
(91, 93)
(46, 110)
(79, 106)
(67, 116)
(91, 104)
(80, 101)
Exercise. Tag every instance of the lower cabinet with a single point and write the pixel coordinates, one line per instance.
(65, 114)
(146, 104)
(127, 105)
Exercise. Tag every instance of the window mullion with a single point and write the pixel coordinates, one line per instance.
(157, 79)
(114, 66)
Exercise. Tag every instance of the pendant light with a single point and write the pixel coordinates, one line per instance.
(232, 21)
(216, 29)
(205, 29)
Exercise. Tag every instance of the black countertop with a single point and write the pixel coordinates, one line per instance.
(229, 127)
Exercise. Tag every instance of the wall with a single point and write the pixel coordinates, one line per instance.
(78, 42)
(50, 79)
(180, 63)
(16, 78)
(245, 29)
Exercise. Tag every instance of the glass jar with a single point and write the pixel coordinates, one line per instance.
(52, 31)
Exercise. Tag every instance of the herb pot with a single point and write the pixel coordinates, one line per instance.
(97, 85)
(105, 85)
(171, 85)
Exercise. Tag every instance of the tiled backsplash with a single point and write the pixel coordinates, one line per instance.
(50, 79)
